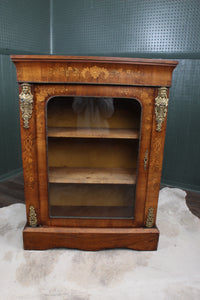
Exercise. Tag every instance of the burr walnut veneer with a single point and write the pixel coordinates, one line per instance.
(92, 131)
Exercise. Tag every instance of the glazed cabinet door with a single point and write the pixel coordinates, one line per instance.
(93, 151)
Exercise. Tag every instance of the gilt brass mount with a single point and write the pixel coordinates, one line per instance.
(32, 217)
(150, 218)
(161, 103)
(26, 103)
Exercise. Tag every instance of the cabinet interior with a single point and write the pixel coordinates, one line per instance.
(92, 149)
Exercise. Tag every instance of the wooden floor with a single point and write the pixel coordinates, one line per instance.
(12, 191)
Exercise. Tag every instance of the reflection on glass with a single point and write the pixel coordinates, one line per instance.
(93, 112)
(93, 146)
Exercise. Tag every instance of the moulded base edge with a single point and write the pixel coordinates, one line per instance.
(90, 239)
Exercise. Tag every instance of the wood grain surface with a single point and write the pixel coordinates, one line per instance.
(90, 238)
(133, 143)
(92, 175)
(93, 133)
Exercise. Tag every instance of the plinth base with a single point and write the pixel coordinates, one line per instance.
(91, 239)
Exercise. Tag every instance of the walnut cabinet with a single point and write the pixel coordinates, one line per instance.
(92, 132)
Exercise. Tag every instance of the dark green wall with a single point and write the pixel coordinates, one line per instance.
(133, 28)
(181, 166)
(24, 28)
(10, 153)
(153, 29)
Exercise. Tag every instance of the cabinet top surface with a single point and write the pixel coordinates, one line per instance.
(96, 59)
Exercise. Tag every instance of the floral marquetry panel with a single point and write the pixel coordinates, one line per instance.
(94, 70)
(29, 152)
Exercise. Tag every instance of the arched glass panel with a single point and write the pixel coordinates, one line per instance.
(93, 146)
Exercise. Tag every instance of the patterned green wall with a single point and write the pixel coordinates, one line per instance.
(133, 28)
(153, 29)
(182, 147)
(10, 153)
(24, 28)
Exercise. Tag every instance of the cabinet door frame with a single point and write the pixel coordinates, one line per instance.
(146, 96)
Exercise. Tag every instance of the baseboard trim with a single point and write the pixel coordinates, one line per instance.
(179, 185)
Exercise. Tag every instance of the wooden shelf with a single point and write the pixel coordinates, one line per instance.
(92, 175)
(114, 133)
(92, 211)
